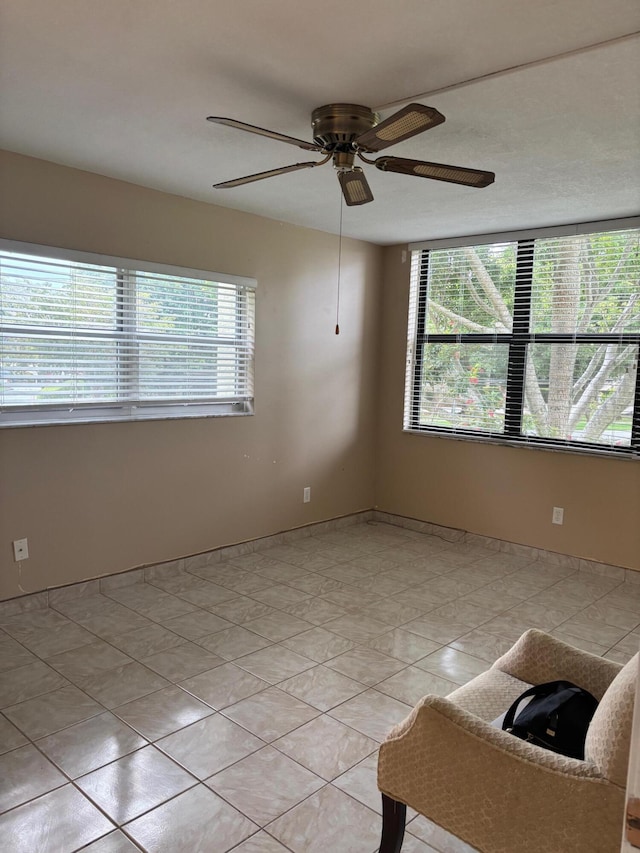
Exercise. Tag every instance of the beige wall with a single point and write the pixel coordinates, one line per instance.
(494, 490)
(102, 498)
(97, 499)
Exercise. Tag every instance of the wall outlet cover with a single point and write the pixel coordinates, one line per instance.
(20, 550)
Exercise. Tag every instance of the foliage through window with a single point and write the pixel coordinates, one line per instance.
(535, 340)
(85, 341)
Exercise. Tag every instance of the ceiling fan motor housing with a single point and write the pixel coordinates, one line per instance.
(337, 126)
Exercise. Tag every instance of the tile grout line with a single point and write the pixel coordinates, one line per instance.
(360, 644)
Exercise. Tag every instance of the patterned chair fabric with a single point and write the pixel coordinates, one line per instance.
(501, 794)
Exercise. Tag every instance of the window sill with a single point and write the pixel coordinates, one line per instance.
(130, 414)
(626, 453)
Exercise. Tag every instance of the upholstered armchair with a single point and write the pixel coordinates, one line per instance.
(501, 794)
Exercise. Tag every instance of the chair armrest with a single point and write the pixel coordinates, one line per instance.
(537, 657)
(473, 728)
(493, 790)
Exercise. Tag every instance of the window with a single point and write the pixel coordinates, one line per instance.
(87, 338)
(533, 340)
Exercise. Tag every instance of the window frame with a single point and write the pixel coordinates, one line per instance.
(127, 407)
(517, 340)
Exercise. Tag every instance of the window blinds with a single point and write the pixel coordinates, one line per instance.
(535, 341)
(89, 341)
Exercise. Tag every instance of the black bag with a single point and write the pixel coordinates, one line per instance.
(557, 717)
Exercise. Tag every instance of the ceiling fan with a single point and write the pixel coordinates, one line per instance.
(342, 132)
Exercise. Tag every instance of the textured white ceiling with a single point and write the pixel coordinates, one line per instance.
(122, 88)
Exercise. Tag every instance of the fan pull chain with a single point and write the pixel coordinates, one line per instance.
(339, 267)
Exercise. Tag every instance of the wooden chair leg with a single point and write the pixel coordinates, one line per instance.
(394, 815)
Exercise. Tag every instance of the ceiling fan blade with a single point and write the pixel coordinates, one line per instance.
(436, 171)
(259, 176)
(355, 187)
(407, 122)
(271, 134)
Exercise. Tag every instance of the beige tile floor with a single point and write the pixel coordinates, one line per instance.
(240, 705)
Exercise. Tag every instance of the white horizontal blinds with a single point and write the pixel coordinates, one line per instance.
(194, 339)
(94, 338)
(587, 391)
(536, 341)
(416, 314)
(468, 307)
(585, 320)
(58, 331)
(588, 284)
(471, 289)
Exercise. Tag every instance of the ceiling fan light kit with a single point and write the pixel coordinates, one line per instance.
(342, 132)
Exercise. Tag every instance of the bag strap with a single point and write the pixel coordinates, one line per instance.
(536, 690)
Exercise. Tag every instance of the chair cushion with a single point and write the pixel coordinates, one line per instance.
(489, 694)
(609, 736)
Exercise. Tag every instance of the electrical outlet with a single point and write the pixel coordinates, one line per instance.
(306, 495)
(558, 515)
(20, 550)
